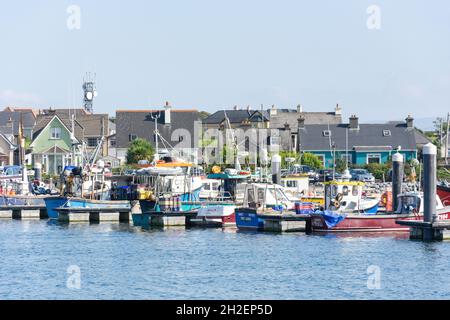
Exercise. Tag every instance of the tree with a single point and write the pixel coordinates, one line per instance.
(311, 160)
(139, 149)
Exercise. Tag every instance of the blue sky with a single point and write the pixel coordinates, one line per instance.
(212, 55)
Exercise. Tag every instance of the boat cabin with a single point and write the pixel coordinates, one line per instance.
(412, 202)
(266, 195)
(347, 196)
(296, 185)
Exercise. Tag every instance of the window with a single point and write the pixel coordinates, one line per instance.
(386, 133)
(132, 137)
(92, 142)
(373, 158)
(180, 138)
(112, 143)
(347, 157)
(327, 133)
(55, 133)
(321, 158)
(274, 141)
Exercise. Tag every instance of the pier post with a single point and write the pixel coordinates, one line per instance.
(397, 178)
(429, 183)
(276, 169)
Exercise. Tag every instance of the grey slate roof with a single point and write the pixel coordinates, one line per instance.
(43, 120)
(140, 123)
(92, 123)
(367, 137)
(237, 116)
(28, 119)
(290, 116)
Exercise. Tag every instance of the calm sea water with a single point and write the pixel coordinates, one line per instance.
(123, 262)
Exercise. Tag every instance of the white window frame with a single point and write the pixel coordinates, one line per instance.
(373, 155)
(55, 133)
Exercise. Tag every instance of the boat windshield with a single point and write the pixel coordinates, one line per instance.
(278, 194)
(410, 204)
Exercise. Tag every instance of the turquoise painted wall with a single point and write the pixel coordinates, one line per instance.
(360, 158)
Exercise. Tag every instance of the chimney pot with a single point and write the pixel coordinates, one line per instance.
(409, 121)
(354, 122)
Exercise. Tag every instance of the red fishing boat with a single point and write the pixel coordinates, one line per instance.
(410, 208)
(443, 191)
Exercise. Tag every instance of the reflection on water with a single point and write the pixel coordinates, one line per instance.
(119, 261)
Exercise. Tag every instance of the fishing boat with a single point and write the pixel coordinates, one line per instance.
(219, 210)
(168, 186)
(261, 198)
(410, 208)
(443, 191)
(83, 189)
(347, 197)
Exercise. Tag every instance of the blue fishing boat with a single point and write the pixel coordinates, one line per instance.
(52, 203)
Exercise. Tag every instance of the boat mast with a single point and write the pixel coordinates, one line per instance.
(155, 117)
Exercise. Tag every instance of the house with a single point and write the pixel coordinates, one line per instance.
(7, 149)
(237, 118)
(53, 142)
(367, 143)
(11, 117)
(281, 123)
(176, 126)
(95, 126)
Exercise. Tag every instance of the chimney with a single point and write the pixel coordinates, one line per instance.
(338, 110)
(273, 110)
(301, 122)
(299, 108)
(167, 113)
(409, 122)
(353, 123)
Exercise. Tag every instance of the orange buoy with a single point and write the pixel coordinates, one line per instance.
(386, 200)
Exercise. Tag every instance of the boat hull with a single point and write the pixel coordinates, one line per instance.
(189, 202)
(215, 216)
(372, 223)
(52, 203)
(247, 219)
(444, 194)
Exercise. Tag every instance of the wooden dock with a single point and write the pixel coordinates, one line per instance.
(80, 214)
(164, 219)
(427, 231)
(286, 222)
(23, 212)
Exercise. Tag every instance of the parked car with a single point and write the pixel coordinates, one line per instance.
(327, 175)
(362, 175)
(304, 169)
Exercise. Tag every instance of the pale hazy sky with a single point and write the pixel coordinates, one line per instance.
(211, 55)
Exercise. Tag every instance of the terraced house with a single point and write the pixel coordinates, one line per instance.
(176, 127)
(359, 143)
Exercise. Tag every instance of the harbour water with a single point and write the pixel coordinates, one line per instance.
(118, 261)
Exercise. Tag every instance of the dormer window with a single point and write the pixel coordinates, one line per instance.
(386, 133)
(327, 133)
